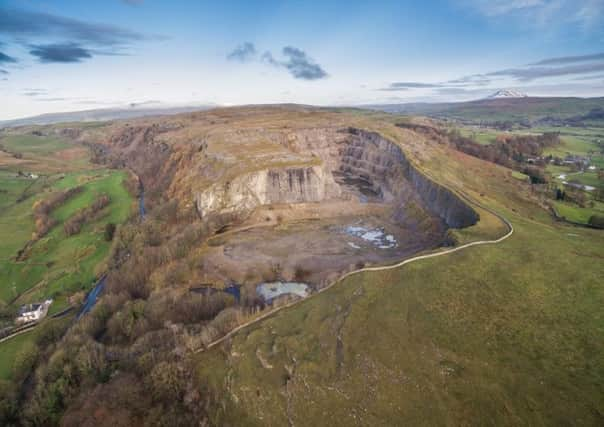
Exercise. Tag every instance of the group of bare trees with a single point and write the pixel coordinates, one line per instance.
(507, 150)
(43, 208)
(74, 224)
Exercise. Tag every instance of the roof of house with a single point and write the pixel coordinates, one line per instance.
(28, 308)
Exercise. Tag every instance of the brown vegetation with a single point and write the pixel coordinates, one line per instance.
(43, 208)
(74, 224)
(506, 150)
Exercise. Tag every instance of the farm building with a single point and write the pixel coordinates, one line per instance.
(33, 312)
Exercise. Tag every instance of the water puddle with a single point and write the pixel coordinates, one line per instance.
(271, 290)
(375, 236)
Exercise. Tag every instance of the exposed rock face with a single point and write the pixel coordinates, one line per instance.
(269, 186)
(375, 158)
(363, 160)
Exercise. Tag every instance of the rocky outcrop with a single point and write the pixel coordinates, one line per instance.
(361, 162)
(384, 163)
(268, 186)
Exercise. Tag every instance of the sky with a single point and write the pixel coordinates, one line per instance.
(60, 55)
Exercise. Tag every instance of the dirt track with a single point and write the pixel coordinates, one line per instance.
(379, 268)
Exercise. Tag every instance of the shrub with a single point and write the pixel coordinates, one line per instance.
(74, 224)
(109, 231)
(597, 221)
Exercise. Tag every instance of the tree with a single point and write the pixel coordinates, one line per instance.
(597, 221)
(559, 194)
(109, 231)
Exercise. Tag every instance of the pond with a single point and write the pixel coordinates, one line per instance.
(376, 236)
(271, 290)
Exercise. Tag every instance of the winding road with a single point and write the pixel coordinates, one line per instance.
(510, 231)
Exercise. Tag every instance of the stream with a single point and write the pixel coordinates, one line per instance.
(93, 295)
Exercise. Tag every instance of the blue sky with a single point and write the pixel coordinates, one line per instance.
(59, 55)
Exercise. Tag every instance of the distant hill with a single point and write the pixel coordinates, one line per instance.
(524, 110)
(100, 115)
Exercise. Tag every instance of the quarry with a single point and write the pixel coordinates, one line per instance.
(293, 203)
(360, 202)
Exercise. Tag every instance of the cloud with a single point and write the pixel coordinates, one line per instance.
(21, 23)
(532, 73)
(470, 81)
(301, 66)
(588, 14)
(503, 7)
(586, 78)
(4, 58)
(66, 40)
(34, 92)
(267, 58)
(396, 86)
(133, 2)
(467, 81)
(55, 99)
(243, 53)
(296, 61)
(571, 59)
(574, 68)
(3, 72)
(58, 52)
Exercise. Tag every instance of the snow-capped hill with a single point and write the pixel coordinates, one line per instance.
(507, 93)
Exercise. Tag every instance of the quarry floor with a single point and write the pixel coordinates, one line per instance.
(314, 243)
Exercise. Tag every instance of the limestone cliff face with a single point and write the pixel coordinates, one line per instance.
(269, 186)
(373, 156)
(359, 158)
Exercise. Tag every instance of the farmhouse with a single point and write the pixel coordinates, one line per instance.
(33, 312)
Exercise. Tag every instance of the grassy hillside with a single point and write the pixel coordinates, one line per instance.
(40, 154)
(507, 334)
(59, 264)
(10, 350)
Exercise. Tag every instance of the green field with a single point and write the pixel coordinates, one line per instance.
(9, 350)
(507, 332)
(482, 136)
(59, 264)
(42, 155)
(574, 213)
(32, 144)
(520, 176)
(514, 110)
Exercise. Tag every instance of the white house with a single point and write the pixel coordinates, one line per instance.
(33, 312)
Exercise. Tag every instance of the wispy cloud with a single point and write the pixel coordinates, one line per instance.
(34, 92)
(502, 7)
(301, 66)
(133, 2)
(66, 40)
(243, 53)
(565, 68)
(396, 86)
(533, 73)
(587, 78)
(64, 53)
(4, 58)
(25, 23)
(571, 59)
(3, 72)
(588, 14)
(295, 60)
(467, 81)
